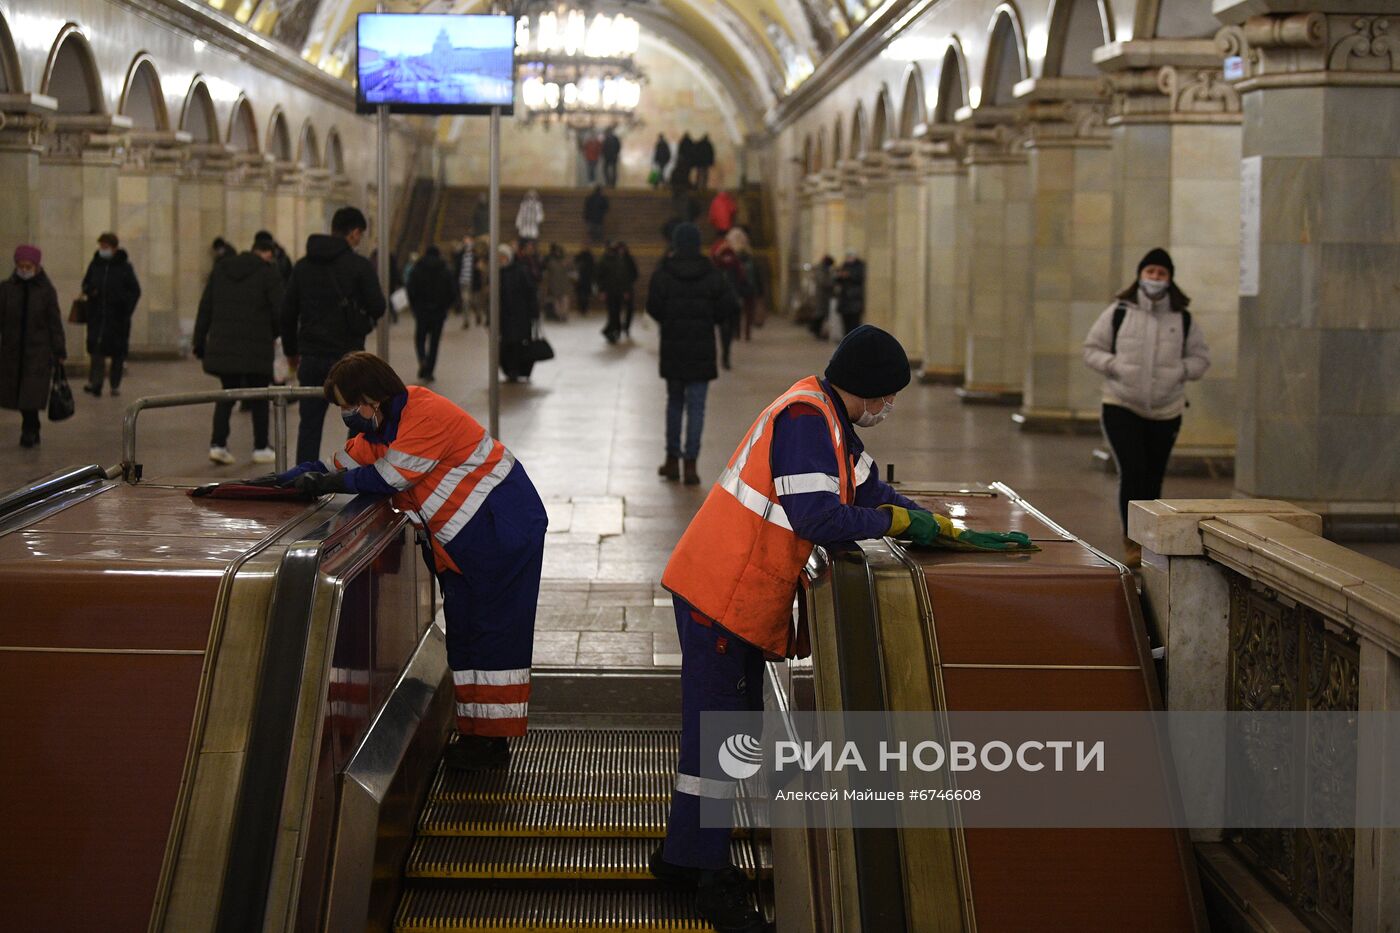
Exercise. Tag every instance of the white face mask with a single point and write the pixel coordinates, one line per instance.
(869, 419)
(106, 253)
(1152, 287)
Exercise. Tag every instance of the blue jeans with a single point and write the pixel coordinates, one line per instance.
(690, 397)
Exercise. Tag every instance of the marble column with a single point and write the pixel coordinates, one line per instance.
(146, 223)
(1176, 137)
(22, 127)
(201, 215)
(77, 202)
(853, 194)
(909, 235)
(879, 241)
(999, 276)
(832, 194)
(1072, 273)
(280, 206)
(946, 285)
(311, 206)
(1319, 412)
(805, 211)
(245, 198)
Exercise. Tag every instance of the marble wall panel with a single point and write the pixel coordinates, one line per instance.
(947, 286)
(999, 292)
(19, 198)
(855, 220)
(908, 269)
(835, 227)
(70, 190)
(879, 255)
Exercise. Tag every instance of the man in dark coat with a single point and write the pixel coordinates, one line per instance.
(612, 149)
(617, 275)
(850, 292)
(584, 267)
(595, 212)
(519, 310)
(688, 297)
(280, 259)
(660, 158)
(685, 160)
(235, 333)
(31, 341)
(112, 291)
(332, 303)
(704, 161)
(431, 294)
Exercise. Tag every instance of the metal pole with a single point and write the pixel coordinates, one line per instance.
(279, 427)
(383, 233)
(493, 322)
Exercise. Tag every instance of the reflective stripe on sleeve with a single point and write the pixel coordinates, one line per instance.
(806, 482)
(391, 475)
(520, 675)
(753, 500)
(705, 787)
(346, 460)
(408, 461)
(454, 477)
(469, 507)
(863, 467)
(493, 710)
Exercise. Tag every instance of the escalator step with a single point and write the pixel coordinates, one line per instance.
(554, 818)
(538, 857)
(452, 786)
(595, 751)
(548, 909)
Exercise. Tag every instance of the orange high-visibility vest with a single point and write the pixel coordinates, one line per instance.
(442, 461)
(739, 560)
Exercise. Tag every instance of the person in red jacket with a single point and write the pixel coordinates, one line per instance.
(723, 210)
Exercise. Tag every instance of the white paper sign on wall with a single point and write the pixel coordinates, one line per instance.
(1251, 170)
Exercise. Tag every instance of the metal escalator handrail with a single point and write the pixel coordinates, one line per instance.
(279, 396)
(40, 489)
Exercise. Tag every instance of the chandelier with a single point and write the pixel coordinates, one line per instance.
(575, 67)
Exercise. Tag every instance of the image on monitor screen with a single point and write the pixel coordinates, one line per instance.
(428, 62)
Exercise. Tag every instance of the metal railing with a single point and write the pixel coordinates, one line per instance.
(278, 396)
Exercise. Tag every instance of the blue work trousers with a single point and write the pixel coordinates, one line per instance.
(686, 398)
(719, 672)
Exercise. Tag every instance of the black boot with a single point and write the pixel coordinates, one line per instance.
(29, 438)
(671, 469)
(692, 478)
(477, 753)
(722, 899)
(664, 871)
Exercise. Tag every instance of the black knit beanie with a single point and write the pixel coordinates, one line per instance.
(869, 363)
(1157, 257)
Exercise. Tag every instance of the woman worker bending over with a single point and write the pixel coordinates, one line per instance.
(487, 527)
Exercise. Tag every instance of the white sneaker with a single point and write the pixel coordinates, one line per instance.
(221, 455)
(264, 455)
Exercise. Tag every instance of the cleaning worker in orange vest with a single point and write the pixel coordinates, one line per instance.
(800, 478)
(486, 524)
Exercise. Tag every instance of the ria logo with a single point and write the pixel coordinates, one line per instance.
(740, 756)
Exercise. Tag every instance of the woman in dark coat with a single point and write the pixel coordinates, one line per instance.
(112, 291)
(519, 309)
(431, 293)
(31, 341)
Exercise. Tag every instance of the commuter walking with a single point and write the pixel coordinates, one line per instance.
(612, 150)
(486, 528)
(617, 273)
(332, 303)
(481, 217)
(235, 334)
(111, 292)
(464, 267)
(32, 342)
(558, 282)
(704, 161)
(584, 269)
(723, 211)
(529, 217)
(519, 311)
(685, 160)
(729, 264)
(595, 213)
(660, 158)
(689, 298)
(824, 286)
(1147, 348)
(592, 151)
(750, 289)
(431, 294)
(281, 260)
(850, 292)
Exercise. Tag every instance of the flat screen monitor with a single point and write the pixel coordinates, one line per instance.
(435, 63)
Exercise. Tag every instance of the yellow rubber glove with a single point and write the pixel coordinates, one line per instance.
(899, 520)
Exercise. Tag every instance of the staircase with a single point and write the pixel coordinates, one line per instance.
(559, 841)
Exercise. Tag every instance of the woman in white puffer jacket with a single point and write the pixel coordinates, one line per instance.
(1146, 359)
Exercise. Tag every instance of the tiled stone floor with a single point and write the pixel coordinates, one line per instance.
(588, 428)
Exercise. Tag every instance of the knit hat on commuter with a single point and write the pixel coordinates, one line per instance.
(869, 363)
(28, 253)
(685, 240)
(1157, 257)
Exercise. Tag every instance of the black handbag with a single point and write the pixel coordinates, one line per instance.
(537, 349)
(61, 405)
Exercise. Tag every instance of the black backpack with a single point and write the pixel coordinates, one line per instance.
(1121, 311)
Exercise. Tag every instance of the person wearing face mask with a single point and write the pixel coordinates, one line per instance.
(112, 291)
(333, 300)
(1147, 348)
(31, 341)
(487, 526)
